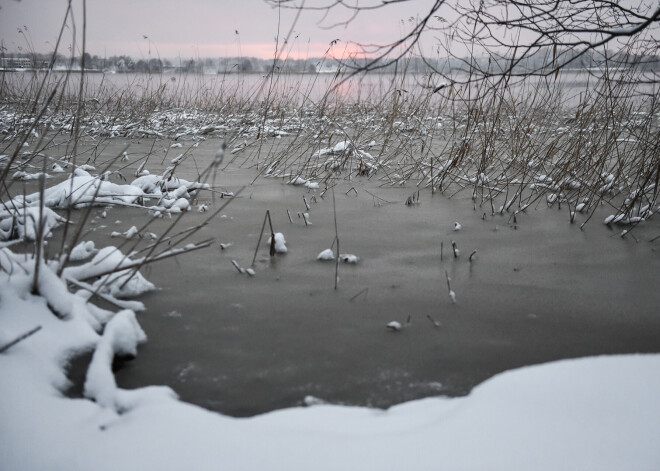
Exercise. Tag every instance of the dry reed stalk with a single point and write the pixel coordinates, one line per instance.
(261, 234)
(19, 339)
(334, 212)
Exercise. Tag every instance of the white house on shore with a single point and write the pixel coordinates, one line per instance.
(16, 63)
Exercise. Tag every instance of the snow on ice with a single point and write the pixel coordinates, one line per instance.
(280, 243)
(326, 255)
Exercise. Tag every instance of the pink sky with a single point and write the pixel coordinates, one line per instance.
(196, 28)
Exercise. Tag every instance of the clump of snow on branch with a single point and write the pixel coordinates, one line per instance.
(23, 223)
(108, 265)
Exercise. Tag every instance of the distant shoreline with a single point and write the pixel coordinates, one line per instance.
(255, 72)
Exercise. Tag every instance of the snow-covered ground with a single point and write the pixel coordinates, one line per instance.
(598, 413)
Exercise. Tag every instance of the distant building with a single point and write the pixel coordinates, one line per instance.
(16, 63)
(327, 67)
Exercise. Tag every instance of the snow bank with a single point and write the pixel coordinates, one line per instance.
(590, 414)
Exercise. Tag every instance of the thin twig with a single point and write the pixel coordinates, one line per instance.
(365, 291)
(6, 347)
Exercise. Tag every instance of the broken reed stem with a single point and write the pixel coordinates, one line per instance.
(261, 235)
(454, 248)
(272, 234)
(288, 213)
(452, 295)
(365, 291)
(94, 292)
(237, 266)
(474, 252)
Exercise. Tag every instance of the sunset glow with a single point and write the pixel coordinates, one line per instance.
(168, 29)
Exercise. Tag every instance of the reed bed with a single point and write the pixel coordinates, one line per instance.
(508, 145)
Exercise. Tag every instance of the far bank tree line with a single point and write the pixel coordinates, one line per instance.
(123, 63)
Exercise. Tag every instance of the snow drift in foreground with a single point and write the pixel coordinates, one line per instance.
(598, 413)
